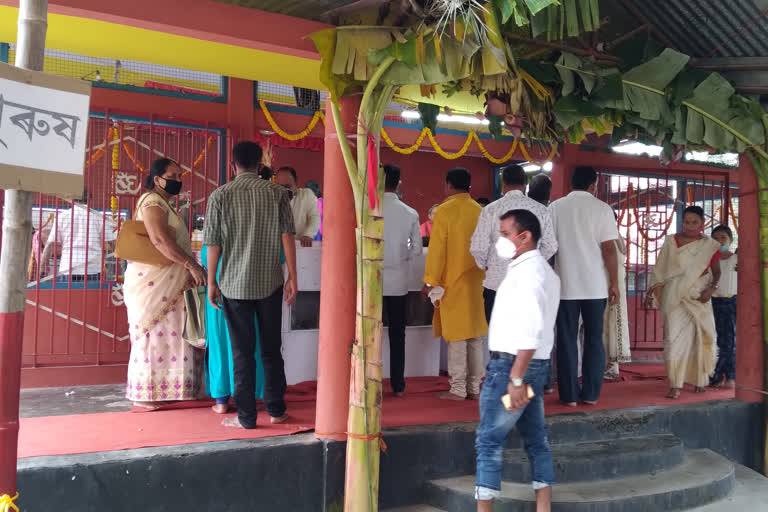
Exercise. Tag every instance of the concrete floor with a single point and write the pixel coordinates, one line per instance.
(750, 494)
(73, 400)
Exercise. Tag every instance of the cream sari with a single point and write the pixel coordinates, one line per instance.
(679, 277)
(162, 365)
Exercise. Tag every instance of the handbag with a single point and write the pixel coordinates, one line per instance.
(194, 318)
(133, 243)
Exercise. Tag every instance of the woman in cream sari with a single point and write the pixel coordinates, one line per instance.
(162, 367)
(685, 277)
(616, 323)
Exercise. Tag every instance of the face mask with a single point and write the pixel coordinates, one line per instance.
(173, 187)
(505, 248)
(724, 248)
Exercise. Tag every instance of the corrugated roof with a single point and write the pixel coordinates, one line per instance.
(699, 27)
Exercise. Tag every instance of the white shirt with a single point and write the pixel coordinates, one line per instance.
(306, 216)
(74, 238)
(402, 241)
(728, 278)
(525, 309)
(582, 222)
(486, 234)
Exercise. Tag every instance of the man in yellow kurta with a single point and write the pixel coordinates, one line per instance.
(459, 315)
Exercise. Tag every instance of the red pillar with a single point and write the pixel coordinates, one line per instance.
(338, 280)
(749, 324)
(561, 172)
(240, 110)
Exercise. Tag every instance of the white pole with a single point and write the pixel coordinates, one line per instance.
(17, 237)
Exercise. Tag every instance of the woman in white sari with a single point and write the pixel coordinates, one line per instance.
(162, 367)
(686, 275)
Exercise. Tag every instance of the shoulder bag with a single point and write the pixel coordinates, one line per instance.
(133, 243)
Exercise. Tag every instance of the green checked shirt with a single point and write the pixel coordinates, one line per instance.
(246, 218)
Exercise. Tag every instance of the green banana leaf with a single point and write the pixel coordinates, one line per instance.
(570, 110)
(325, 42)
(568, 65)
(429, 114)
(644, 86)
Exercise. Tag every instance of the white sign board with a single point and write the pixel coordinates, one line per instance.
(43, 131)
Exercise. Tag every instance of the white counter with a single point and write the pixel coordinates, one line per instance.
(422, 351)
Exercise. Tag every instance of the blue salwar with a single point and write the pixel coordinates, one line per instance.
(219, 373)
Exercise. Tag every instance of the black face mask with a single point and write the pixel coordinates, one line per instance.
(173, 187)
(290, 191)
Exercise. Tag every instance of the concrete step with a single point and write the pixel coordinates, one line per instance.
(703, 477)
(749, 494)
(600, 460)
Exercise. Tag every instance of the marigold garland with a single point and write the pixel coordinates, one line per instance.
(116, 136)
(132, 157)
(296, 136)
(95, 156)
(425, 132)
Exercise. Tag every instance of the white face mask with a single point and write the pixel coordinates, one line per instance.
(505, 248)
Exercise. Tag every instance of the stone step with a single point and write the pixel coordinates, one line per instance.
(599, 460)
(703, 477)
(750, 494)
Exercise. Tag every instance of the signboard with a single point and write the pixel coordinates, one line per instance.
(43, 131)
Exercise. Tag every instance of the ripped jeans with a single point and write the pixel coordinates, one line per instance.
(496, 423)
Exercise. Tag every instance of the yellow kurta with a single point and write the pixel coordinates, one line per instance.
(461, 314)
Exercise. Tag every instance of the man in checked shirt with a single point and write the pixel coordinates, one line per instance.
(486, 234)
(247, 222)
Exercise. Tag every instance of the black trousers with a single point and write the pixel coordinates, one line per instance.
(593, 360)
(242, 332)
(396, 309)
(489, 297)
(725, 323)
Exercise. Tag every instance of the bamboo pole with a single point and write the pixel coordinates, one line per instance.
(17, 234)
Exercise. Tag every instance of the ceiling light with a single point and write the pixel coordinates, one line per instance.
(412, 114)
(531, 168)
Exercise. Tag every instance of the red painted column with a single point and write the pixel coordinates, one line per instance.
(338, 281)
(11, 329)
(240, 110)
(561, 172)
(749, 324)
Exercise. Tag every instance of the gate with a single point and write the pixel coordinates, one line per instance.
(649, 207)
(75, 314)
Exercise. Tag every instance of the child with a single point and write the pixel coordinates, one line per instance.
(724, 307)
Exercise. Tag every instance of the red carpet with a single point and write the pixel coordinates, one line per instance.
(641, 386)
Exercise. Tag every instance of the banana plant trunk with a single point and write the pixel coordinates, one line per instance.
(361, 486)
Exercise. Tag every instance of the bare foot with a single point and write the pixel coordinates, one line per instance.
(590, 402)
(549, 391)
(674, 394)
(570, 404)
(730, 384)
(279, 419)
(221, 408)
(232, 422)
(150, 405)
(447, 395)
(399, 394)
(699, 389)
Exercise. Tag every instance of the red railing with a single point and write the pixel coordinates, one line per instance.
(75, 314)
(648, 208)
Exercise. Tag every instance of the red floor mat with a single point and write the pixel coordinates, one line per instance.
(64, 435)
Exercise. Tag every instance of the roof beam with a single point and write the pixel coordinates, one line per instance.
(732, 64)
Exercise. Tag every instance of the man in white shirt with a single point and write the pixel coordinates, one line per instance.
(82, 234)
(585, 228)
(486, 234)
(306, 216)
(520, 338)
(402, 242)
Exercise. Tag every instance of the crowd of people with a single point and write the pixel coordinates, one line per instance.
(528, 274)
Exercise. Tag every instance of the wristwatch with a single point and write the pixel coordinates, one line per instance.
(518, 383)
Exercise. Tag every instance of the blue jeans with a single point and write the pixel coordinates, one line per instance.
(593, 360)
(496, 423)
(725, 323)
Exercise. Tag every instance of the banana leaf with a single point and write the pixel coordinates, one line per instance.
(325, 42)
(610, 92)
(571, 17)
(494, 126)
(644, 85)
(569, 64)
(570, 110)
(429, 114)
(712, 96)
(540, 23)
(506, 8)
(586, 16)
(535, 6)
(352, 47)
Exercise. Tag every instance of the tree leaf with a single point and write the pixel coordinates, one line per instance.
(712, 96)
(685, 83)
(567, 75)
(325, 42)
(570, 110)
(586, 15)
(544, 72)
(429, 114)
(610, 92)
(494, 126)
(572, 17)
(539, 23)
(644, 86)
(506, 8)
